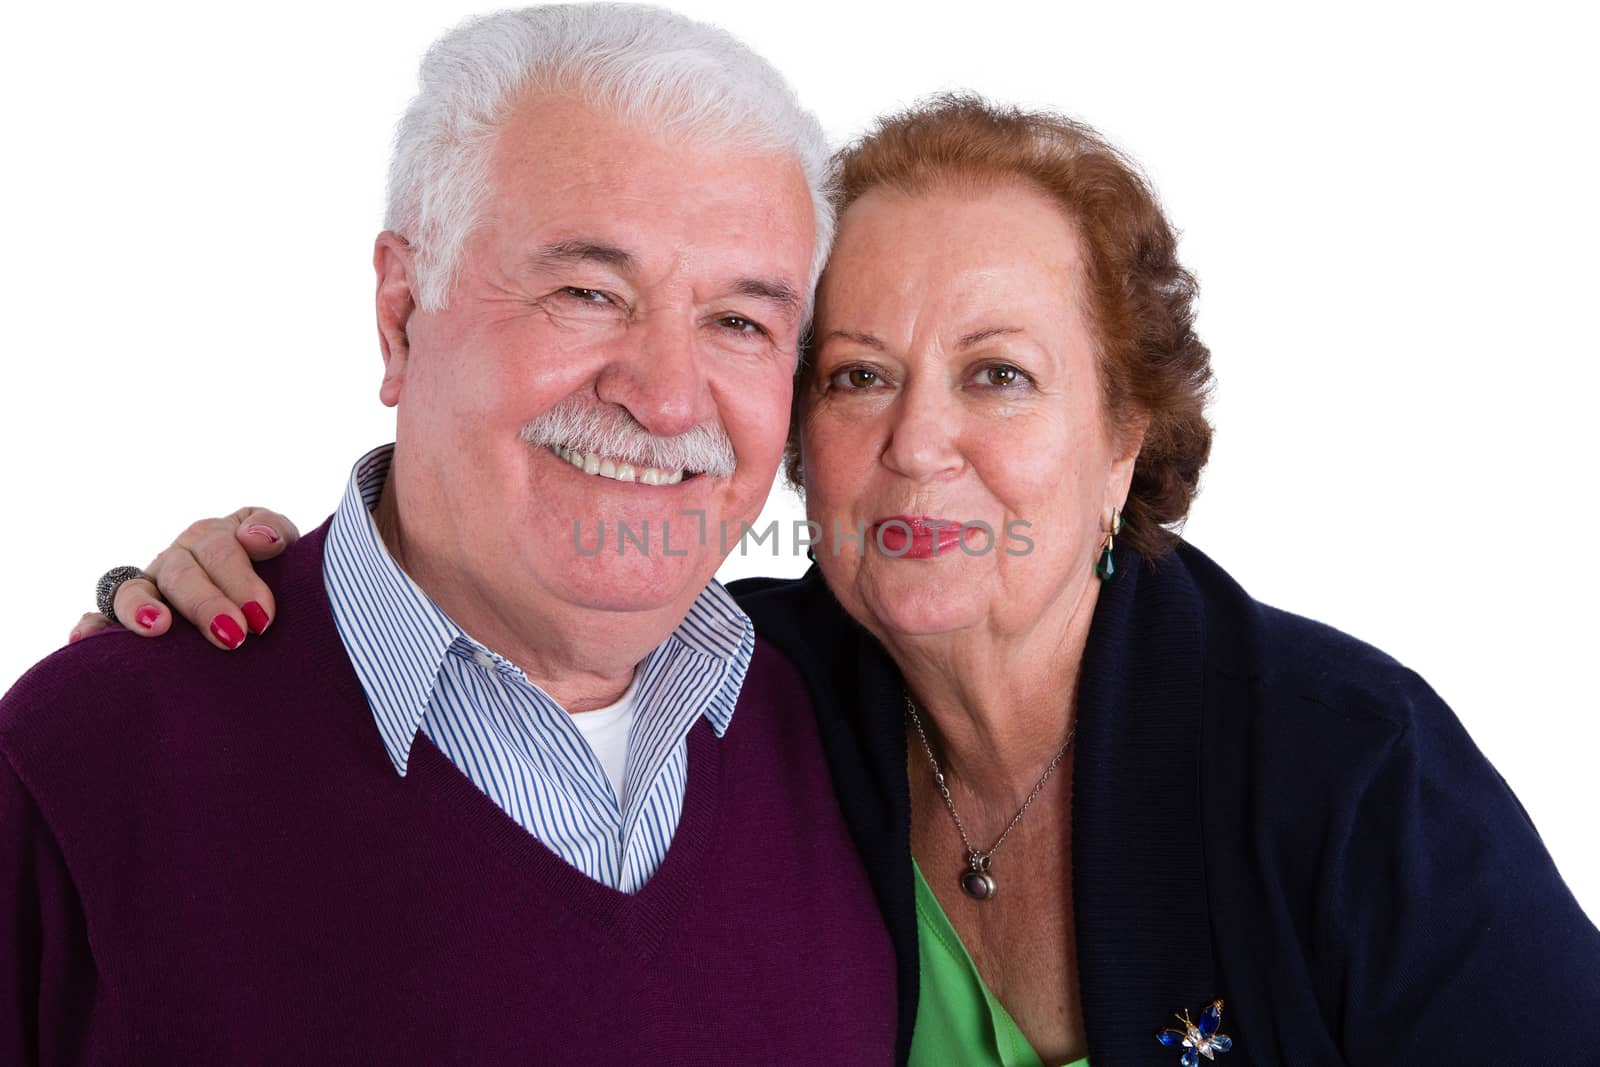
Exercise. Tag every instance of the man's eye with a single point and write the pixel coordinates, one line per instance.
(588, 296)
(740, 324)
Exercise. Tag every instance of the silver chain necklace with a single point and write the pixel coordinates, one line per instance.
(976, 881)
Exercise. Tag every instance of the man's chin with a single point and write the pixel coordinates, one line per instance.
(632, 581)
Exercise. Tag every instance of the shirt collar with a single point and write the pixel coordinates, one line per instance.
(397, 637)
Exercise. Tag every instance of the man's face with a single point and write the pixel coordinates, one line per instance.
(659, 285)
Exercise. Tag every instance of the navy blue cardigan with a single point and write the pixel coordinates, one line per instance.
(1264, 810)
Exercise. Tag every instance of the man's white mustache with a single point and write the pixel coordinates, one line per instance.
(608, 430)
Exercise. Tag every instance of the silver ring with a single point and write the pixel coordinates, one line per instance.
(105, 590)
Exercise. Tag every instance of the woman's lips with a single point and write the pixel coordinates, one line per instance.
(916, 537)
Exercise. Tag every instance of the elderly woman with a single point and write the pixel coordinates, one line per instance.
(1107, 801)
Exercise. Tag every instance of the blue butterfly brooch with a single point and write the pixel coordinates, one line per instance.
(1197, 1038)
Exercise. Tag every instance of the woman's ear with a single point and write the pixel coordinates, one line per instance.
(1127, 444)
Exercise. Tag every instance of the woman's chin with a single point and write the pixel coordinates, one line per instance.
(925, 610)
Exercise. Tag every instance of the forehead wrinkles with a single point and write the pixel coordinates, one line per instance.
(724, 223)
(964, 309)
(923, 266)
(580, 149)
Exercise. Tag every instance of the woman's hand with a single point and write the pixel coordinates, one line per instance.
(208, 577)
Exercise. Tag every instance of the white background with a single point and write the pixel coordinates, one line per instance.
(1392, 213)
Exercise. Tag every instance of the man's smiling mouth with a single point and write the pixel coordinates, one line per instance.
(618, 470)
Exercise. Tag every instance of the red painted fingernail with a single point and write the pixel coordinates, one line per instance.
(227, 631)
(256, 617)
(265, 531)
(147, 616)
(73, 636)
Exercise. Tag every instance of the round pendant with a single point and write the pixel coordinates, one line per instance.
(977, 884)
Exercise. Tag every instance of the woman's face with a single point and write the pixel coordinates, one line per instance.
(956, 383)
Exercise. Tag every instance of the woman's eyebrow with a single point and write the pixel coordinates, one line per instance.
(979, 336)
(966, 341)
(851, 335)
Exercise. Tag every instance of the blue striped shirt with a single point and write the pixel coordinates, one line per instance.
(421, 671)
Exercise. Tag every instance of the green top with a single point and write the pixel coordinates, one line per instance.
(958, 1019)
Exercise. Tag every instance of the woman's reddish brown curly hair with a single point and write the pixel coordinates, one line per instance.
(1140, 299)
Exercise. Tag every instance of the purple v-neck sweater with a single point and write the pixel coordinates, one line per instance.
(208, 858)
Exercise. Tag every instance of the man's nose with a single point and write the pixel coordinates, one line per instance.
(657, 374)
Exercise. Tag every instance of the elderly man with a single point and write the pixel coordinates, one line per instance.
(497, 798)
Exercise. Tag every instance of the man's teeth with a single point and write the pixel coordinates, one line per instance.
(590, 463)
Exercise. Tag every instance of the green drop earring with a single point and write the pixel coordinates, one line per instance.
(1104, 569)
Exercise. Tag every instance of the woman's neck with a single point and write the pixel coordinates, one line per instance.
(997, 706)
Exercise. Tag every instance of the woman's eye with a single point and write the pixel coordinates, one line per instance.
(1001, 375)
(855, 378)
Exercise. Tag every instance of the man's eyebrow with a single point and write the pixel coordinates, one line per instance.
(851, 335)
(582, 250)
(585, 250)
(979, 336)
(778, 293)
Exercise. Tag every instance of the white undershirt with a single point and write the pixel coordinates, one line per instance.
(606, 729)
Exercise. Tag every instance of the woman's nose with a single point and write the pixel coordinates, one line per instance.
(924, 434)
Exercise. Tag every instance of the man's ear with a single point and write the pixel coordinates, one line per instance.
(392, 261)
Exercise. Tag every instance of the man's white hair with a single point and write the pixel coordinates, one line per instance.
(650, 67)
